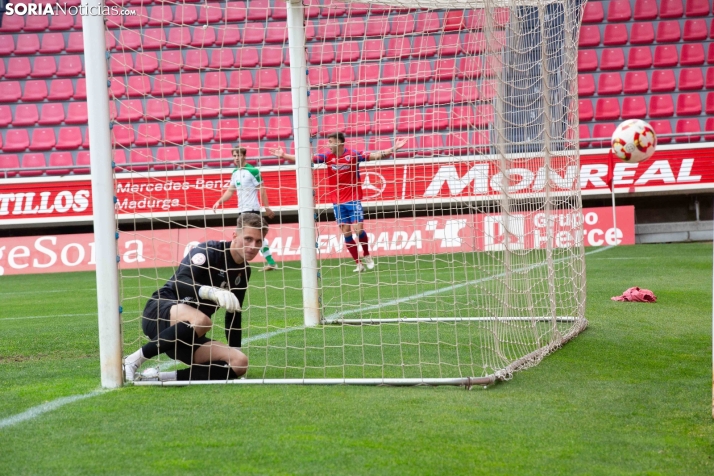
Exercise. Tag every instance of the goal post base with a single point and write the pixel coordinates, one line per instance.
(467, 382)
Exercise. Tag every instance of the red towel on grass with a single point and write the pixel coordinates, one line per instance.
(636, 295)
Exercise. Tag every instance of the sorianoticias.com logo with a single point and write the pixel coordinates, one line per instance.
(23, 9)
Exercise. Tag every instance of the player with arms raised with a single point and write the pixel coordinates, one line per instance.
(178, 315)
(345, 189)
(247, 181)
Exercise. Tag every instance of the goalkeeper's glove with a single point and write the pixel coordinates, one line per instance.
(223, 298)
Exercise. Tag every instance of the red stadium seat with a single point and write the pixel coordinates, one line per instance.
(642, 34)
(462, 117)
(373, 49)
(321, 53)
(420, 71)
(393, 73)
(586, 85)
(634, 107)
(662, 128)
(44, 139)
(167, 158)
(235, 11)
(697, 8)
(10, 91)
(432, 144)
(689, 104)
(60, 90)
(410, 120)
(619, 10)
(671, 9)
(5, 117)
(358, 123)
(415, 95)
(368, 73)
(427, 23)
(61, 163)
(668, 31)
(646, 9)
(615, 34)
(347, 51)
(609, 83)
(209, 14)
(661, 106)
(27, 44)
(458, 143)
(221, 58)
(398, 48)
(277, 32)
(16, 140)
(639, 57)
(445, 69)
(708, 126)
(436, 119)
(227, 35)
(164, 85)
(389, 97)
(260, 103)
(122, 135)
(179, 37)
(607, 109)
(585, 110)
(253, 128)
(195, 156)
(76, 113)
(247, 57)
(710, 78)
(612, 59)
(283, 103)
(603, 131)
(221, 156)
(18, 68)
(207, 107)
(466, 91)
(146, 63)
(227, 130)
(316, 101)
(363, 98)
(185, 14)
(338, 99)
(7, 45)
(35, 90)
(475, 19)
(384, 122)
(60, 22)
(25, 115)
(214, 83)
(157, 109)
(82, 160)
(449, 45)
(129, 40)
(354, 29)
(203, 37)
(441, 93)
(154, 39)
(692, 54)
(12, 24)
(138, 86)
(140, 160)
(710, 54)
(695, 30)
(469, 67)
(148, 135)
(35, 23)
(52, 114)
(259, 10)
(182, 108)
(402, 25)
(327, 30)
(131, 110)
(593, 13)
(175, 133)
(234, 105)
(377, 25)
(453, 20)
(117, 88)
(663, 80)
(189, 84)
(69, 66)
(424, 47)
(690, 79)
(35, 162)
(332, 123)
(196, 60)
(688, 126)
(589, 36)
(266, 79)
(587, 60)
(240, 81)
(161, 15)
(279, 127)
(271, 56)
(254, 34)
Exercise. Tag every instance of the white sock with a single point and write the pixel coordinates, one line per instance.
(137, 358)
(167, 376)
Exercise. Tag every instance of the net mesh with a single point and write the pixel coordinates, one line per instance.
(475, 225)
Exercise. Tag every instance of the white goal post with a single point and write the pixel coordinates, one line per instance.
(475, 225)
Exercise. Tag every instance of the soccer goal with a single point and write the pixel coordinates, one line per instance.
(456, 258)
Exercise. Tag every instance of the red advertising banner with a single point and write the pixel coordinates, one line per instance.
(404, 236)
(184, 194)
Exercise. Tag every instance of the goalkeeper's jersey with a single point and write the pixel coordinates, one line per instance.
(208, 264)
(247, 181)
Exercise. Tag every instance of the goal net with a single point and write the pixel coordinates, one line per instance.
(473, 227)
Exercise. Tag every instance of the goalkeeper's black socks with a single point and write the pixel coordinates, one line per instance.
(179, 337)
(217, 370)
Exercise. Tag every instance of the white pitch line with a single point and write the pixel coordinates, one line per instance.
(45, 317)
(34, 412)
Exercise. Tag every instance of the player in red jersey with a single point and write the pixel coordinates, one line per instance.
(345, 189)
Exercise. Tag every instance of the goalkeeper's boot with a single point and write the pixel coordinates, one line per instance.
(368, 262)
(359, 268)
(270, 267)
(130, 368)
(154, 375)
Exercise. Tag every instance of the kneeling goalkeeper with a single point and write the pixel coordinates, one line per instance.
(178, 315)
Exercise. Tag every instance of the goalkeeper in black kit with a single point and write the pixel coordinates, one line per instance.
(176, 318)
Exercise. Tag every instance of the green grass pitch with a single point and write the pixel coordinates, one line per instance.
(631, 395)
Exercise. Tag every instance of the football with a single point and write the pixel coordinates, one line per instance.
(634, 141)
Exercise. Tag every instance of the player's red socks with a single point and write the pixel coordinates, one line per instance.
(352, 247)
(364, 241)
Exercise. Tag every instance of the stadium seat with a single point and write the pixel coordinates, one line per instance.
(428, 22)
(81, 89)
(410, 120)
(157, 109)
(196, 60)
(338, 99)
(69, 66)
(27, 44)
(52, 114)
(695, 30)
(589, 36)
(207, 107)
(607, 109)
(44, 139)
(129, 40)
(436, 119)
(321, 54)
(615, 34)
(60, 90)
(277, 32)
(662, 128)
(35, 162)
(179, 37)
(221, 58)
(154, 39)
(235, 12)
(692, 54)
(167, 158)
(347, 51)
(354, 29)
(122, 135)
(75, 42)
(117, 88)
(234, 105)
(424, 47)
(690, 79)
(420, 71)
(161, 15)
(316, 101)
(475, 20)
(148, 135)
(363, 98)
(254, 34)
(452, 21)
(253, 128)
(61, 163)
(377, 25)
(373, 49)
(146, 63)
(82, 160)
(587, 60)
(449, 45)
(661, 105)
(619, 10)
(194, 156)
(279, 127)
(247, 57)
(603, 131)
(182, 108)
(445, 69)
(189, 84)
(203, 37)
(585, 110)
(130, 110)
(415, 95)
(398, 48)
(710, 54)
(76, 113)
(25, 115)
(663, 80)
(459, 143)
(17, 68)
(271, 56)
(404, 25)
(10, 91)
(358, 123)
(688, 126)
(227, 130)
(5, 117)
(584, 133)
(214, 83)
(393, 73)
(7, 45)
(35, 90)
(227, 35)
(441, 93)
(634, 107)
(671, 9)
(708, 126)
(209, 14)
(593, 13)
(260, 103)
(164, 85)
(239, 81)
(469, 67)
(697, 8)
(639, 57)
(13, 24)
(642, 33)
(140, 160)
(432, 144)
(668, 31)
(389, 97)
(689, 104)
(330, 123)
(260, 10)
(185, 14)
(283, 103)
(466, 91)
(175, 133)
(368, 73)
(609, 83)
(16, 140)
(266, 79)
(327, 29)
(645, 9)
(35, 23)
(586, 85)
(612, 59)
(138, 86)
(384, 122)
